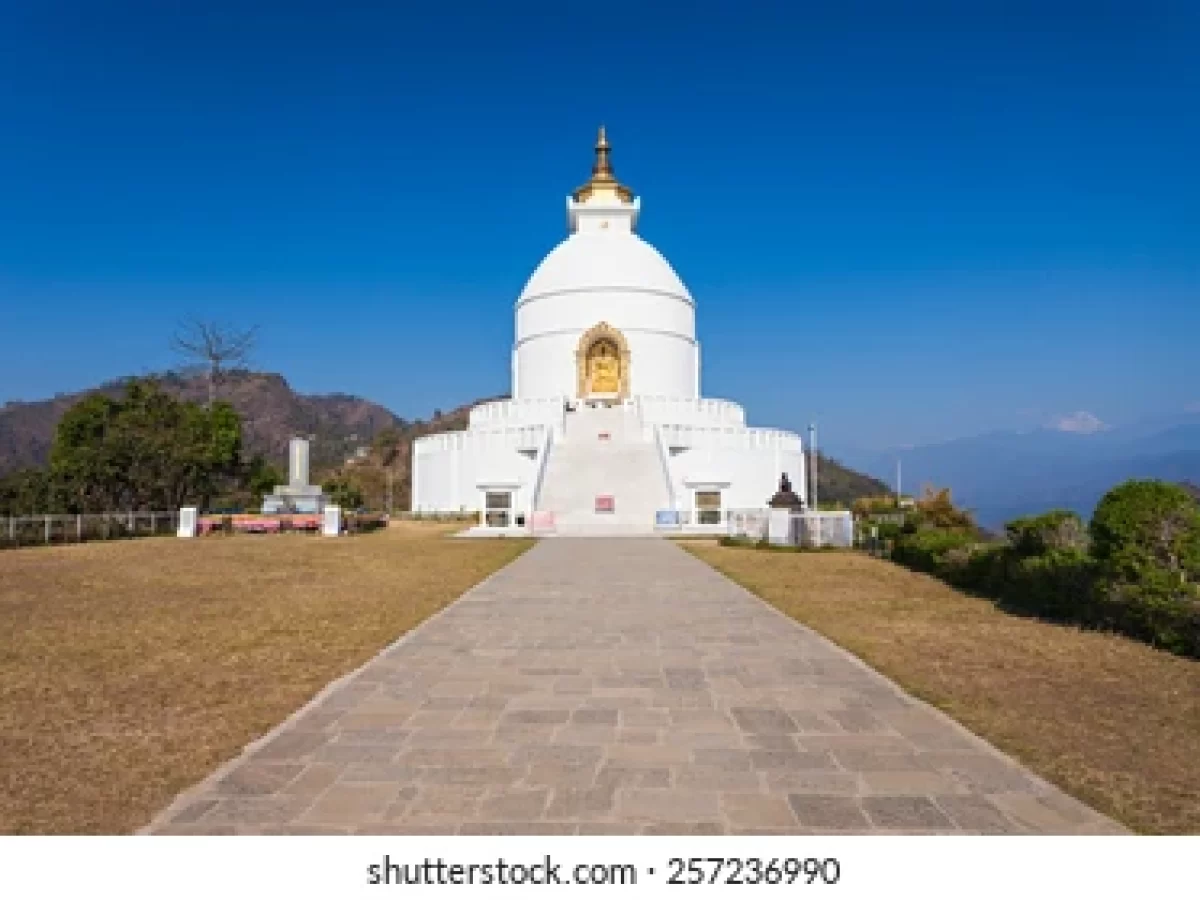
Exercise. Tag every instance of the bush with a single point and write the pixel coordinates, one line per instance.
(1141, 529)
(1058, 529)
(978, 568)
(1156, 611)
(1146, 541)
(1058, 584)
(729, 541)
(1140, 578)
(925, 550)
(935, 508)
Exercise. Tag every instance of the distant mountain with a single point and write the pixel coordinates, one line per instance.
(1003, 475)
(271, 411)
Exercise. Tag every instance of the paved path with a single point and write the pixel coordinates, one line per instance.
(619, 686)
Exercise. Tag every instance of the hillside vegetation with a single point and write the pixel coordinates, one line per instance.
(362, 448)
(1133, 569)
(270, 410)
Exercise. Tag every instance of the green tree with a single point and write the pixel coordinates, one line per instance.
(261, 478)
(1058, 529)
(343, 492)
(29, 492)
(146, 450)
(1146, 530)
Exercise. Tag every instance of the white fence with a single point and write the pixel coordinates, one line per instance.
(805, 529)
(26, 531)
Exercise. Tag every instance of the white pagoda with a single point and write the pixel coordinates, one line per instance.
(606, 431)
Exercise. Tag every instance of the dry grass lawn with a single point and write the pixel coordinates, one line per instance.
(129, 670)
(1110, 720)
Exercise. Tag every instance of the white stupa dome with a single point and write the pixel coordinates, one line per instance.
(591, 260)
(603, 278)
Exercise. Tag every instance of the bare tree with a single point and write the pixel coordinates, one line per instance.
(215, 346)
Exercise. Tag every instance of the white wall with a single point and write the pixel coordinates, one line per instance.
(662, 364)
(447, 468)
(694, 411)
(650, 310)
(659, 327)
(504, 413)
(750, 460)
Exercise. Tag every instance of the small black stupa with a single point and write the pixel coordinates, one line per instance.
(785, 497)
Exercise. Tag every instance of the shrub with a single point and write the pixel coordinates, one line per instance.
(1058, 584)
(1154, 610)
(936, 509)
(889, 531)
(730, 541)
(1140, 579)
(1143, 528)
(978, 568)
(1058, 529)
(925, 550)
(1146, 541)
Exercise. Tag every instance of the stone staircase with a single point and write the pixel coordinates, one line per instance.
(583, 466)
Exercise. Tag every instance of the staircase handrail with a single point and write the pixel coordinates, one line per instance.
(539, 477)
(666, 468)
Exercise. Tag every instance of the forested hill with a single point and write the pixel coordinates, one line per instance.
(271, 414)
(840, 484)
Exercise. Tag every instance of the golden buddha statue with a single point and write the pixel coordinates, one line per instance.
(604, 373)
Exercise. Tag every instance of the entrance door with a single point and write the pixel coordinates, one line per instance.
(497, 509)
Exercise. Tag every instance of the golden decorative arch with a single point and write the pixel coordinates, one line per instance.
(602, 363)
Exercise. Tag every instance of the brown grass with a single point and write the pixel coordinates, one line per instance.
(129, 670)
(1110, 720)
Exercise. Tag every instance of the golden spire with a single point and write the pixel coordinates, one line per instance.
(603, 180)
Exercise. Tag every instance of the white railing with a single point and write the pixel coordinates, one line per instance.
(748, 523)
(711, 521)
(731, 436)
(539, 476)
(27, 531)
(692, 411)
(513, 437)
(804, 529)
(666, 466)
(508, 413)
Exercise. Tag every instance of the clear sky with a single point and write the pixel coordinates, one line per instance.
(908, 222)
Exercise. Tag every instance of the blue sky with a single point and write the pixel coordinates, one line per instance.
(908, 222)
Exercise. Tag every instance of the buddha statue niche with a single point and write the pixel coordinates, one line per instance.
(604, 369)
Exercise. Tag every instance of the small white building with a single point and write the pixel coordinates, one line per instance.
(606, 429)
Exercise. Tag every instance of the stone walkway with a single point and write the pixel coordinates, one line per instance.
(616, 687)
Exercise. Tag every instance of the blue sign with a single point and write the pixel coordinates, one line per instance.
(666, 517)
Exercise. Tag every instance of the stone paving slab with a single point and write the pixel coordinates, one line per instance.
(619, 686)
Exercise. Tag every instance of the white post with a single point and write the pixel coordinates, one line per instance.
(188, 522)
(812, 450)
(332, 523)
(79, 528)
(47, 529)
(779, 526)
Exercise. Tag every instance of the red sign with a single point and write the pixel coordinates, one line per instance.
(605, 504)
